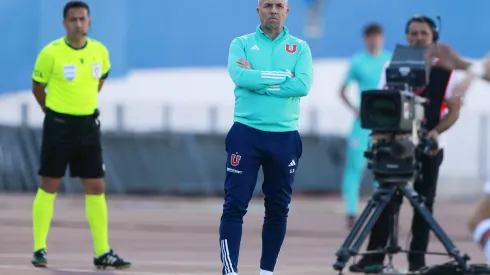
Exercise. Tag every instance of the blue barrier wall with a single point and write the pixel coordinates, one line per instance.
(164, 33)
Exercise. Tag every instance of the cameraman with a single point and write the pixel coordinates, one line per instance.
(441, 112)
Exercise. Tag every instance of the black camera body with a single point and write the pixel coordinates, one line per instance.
(397, 112)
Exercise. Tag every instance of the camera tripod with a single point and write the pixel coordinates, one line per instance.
(375, 206)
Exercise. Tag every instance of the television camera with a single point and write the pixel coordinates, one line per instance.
(395, 116)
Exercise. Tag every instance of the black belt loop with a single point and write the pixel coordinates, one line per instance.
(96, 113)
(96, 118)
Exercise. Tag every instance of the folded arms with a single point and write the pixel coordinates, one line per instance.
(272, 83)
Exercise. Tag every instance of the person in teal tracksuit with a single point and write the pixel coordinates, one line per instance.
(365, 69)
(272, 70)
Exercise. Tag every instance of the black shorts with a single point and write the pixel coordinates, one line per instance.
(74, 141)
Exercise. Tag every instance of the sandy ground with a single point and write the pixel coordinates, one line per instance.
(180, 236)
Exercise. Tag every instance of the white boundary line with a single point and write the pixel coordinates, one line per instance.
(128, 272)
(69, 270)
(76, 258)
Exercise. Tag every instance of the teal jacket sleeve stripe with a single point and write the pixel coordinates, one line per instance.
(251, 79)
(300, 84)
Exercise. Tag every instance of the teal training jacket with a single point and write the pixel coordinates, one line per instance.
(267, 97)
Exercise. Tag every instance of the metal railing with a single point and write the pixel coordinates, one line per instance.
(466, 155)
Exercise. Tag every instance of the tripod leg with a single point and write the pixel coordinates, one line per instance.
(378, 202)
(417, 203)
(393, 246)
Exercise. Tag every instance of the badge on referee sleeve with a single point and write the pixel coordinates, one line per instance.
(97, 70)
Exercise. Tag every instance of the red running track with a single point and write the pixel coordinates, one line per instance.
(180, 236)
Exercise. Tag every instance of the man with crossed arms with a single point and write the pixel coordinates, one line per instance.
(271, 71)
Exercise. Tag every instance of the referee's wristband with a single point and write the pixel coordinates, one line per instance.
(476, 69)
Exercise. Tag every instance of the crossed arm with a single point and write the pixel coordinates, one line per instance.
(273, 83)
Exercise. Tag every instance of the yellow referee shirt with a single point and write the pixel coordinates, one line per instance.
(72, 75)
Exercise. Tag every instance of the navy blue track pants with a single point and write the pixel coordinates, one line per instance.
(278, 153)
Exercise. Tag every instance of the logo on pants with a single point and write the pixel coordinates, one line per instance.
(235, 159)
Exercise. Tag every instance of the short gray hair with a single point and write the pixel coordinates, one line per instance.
(258, 2)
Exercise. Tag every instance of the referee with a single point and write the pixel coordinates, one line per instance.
(73, 70)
